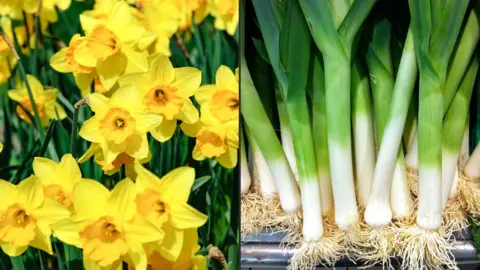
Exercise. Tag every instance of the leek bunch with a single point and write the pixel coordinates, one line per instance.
(376, 99)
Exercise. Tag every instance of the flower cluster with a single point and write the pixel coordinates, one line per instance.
(142, 222)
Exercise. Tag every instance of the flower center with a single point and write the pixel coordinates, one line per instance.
(56, 192)
(163, 100)
(103, 241)
(117, 125)
(224, 105)
(16, 226)
(103, 42)
(151, 205)
(210, 143)
(28, 106)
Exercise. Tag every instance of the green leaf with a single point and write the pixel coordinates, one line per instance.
(199, 182)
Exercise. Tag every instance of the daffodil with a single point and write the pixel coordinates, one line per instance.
(187, 8)
(187, 259)
(120, 124)
(47, 10)
(220, 100)
(166, 91)
(26, 216)
(11, 8)
(226, 15)
(45, 101)
(64, 61)
(217, 131)
(115, 166)
(4, 71)
(163, 202)
(115, 45)
(58, 179)
(105, 226)
(214, 141)
(1, 147)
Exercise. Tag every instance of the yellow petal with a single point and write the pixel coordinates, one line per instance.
(92, 265)
(176, 184)
(121, 202)
(88, 23)
(137, 256)
(141, 231)
(63, 4)
(42, 239)
(140, 80)
(90, 131)
(188, 113)
(172, 243)
(137, 146)
(205, 93)
(84, 82)
(197, 155)
(128, 97)
(18, 95)
(191, 130)
(120, 15)
(30, 191)
(184, 216)
(110, 69)
(137, 61)
(145, 179)
(71, 171)
(99, 104)
(187, 80)
(45, 169)
(162, 71)
(8, 194)
(35, 85)
(68, 231)
(146, 121)
(50, 212)
(229, 158)
(58, 62)
(225, 79)
(12, 250)
(165, 130)
(94, 148)
(90, 199)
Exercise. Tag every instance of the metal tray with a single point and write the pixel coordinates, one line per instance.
(264, 249)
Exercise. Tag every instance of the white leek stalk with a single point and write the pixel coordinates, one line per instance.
(245, 179)
(472, 167)
(261, 169)
(363, 134)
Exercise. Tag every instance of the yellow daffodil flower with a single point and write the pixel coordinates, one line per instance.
(11, 8)
(217, 131)
(113, 167)
(120, 124)
(45, 101)
(26, 215)
(64, 61)
(226, 15)
(220, 100)
(187, 259)
(105, 227)
(114, 46)
(47, 11)
(187, 8)
(4, 71)
(1, 147)
(163, 202)
(58, 179)
(165, 91)
(219, 141)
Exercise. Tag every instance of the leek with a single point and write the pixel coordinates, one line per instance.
(433, 44)
(336, 48)
(390, 195)
(472, 169)
(262, 131)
